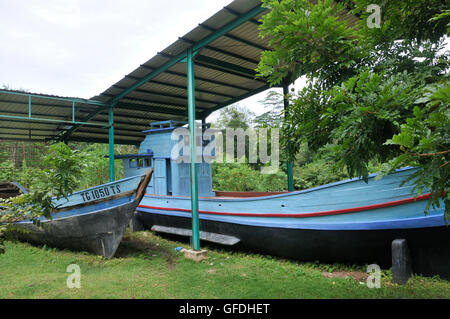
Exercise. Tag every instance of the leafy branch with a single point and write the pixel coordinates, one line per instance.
(58, 180)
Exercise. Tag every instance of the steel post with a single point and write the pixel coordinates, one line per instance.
(192, 141)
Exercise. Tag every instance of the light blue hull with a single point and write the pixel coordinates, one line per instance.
(348, 221)
(346, 205)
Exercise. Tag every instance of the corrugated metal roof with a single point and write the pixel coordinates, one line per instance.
(224, 74)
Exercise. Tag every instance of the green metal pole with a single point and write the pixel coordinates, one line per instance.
(111, 144)
(289, 164)
(192, 143)
(29, 106)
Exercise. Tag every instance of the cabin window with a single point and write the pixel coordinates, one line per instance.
(133, 163)
(148, 162)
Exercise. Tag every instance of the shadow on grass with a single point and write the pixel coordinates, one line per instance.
(242, 250)
(132, 246)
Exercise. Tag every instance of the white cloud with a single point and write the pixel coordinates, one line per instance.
(81, 47)
(60, 13)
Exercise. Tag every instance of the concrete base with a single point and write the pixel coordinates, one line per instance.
(195, 255)
(401, 262)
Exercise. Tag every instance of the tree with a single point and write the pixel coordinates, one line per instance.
(373, 93)
(234, 116)
(273, 117)
(59, 179)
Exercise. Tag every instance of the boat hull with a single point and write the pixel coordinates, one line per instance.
(349, 221)
(97, 225)
(99, 232)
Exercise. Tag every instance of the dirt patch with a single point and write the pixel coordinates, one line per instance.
(356, 275)
(131, 245)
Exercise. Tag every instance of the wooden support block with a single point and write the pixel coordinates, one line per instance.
(401, 262)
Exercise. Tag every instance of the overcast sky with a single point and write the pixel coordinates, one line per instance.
(79, 48)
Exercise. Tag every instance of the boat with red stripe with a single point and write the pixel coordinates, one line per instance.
(350, 221)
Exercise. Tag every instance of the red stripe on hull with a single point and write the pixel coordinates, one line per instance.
(315, 214)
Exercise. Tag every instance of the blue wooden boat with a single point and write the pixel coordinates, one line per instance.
(93, 220)
(349, 221)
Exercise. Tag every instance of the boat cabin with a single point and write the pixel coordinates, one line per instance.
(171, 175)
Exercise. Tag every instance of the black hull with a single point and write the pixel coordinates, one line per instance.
(429, 247)
(98, 232)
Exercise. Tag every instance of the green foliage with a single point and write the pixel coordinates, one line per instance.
(374, 94)
(273, 117)
(148, 265)
(308, 38)
(241, 177)
(411, 20)
(7, 171)
(444, 15)
(425, 142)
(320, 168)
(59, 179)
(63, 170)
(2, 245)
(316, 173)
(96, 170)
(27, 175)
(233, 116)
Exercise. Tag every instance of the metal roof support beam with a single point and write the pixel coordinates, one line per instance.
(193, 151)
(235, 38)
(254, 21)
(36, 119)
(87, 118)
(103, 140)
(241, 97)
(148, 77)
(175, 96)
(230, 54)
(221, 66)
(71, 100)
(230, 26)
(125, 123)
(150, 107)
(207, 40)
(138, 134)
(289, 164)
(99, 127)
(153, 108)
(23, 134)
(220, 83)
(197, 90)
(197, 78)
(23, 115)
(21, 128)
(226, 67)
(40, 104)
(22, 140)
(28, 122)
(111, 144)
(146, 107)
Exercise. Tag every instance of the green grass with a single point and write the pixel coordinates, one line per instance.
(147, 266)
